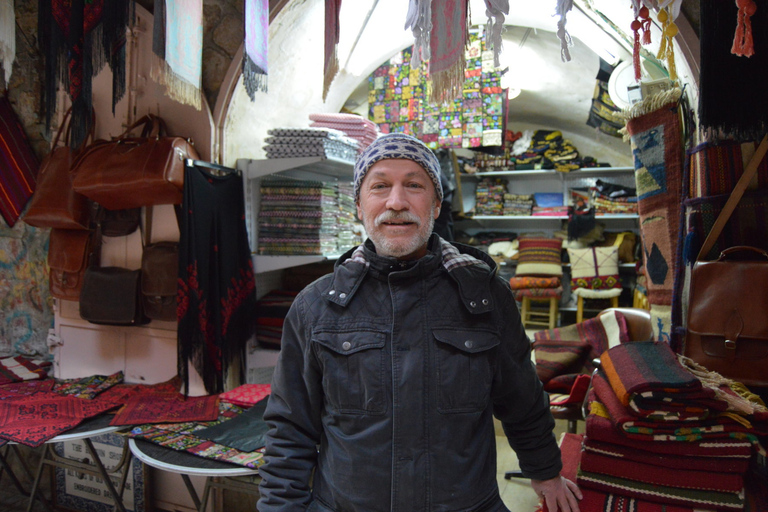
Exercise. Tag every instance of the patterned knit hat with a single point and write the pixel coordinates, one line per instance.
(398, 145)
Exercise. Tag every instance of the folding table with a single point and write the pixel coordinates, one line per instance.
(218, 475)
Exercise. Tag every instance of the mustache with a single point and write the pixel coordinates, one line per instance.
(391, 216)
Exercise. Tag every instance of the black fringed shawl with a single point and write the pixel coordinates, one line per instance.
(77, 38)
(732, 97)
(217, 290)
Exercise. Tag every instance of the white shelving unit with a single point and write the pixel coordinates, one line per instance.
(533, 181)
(304, 168)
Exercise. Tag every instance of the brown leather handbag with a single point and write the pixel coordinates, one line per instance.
(55, 204)
(726, 328)
(68, 253)
(130, 172)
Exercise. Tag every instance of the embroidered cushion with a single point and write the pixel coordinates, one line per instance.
(517, 283)
(595, 268)
(539, 256)
(538, 293)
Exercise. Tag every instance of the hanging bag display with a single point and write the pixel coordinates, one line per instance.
(130, 172)
(68, 255)
(55, 204)
(159, 276)
(110, 295)
(726, 327)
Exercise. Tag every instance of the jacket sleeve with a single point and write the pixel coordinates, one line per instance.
(293, 417)
(520, 402)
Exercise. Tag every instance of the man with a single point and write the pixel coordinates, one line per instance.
(392, 367)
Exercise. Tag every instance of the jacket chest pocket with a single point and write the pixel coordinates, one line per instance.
(353, 370)
(464, 369)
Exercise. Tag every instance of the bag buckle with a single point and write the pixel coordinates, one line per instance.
(730, 344)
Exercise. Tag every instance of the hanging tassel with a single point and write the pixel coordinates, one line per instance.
(563, 7)
(666, 48)
(743, 45)
(641, 24)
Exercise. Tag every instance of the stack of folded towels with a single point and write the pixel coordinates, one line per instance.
(305, 142)
(664, 434)
(364, 131)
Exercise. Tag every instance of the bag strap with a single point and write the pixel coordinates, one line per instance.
(153, 125)
(735, 197)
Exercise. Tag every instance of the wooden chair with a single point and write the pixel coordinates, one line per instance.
(639, 328)
(540, 317)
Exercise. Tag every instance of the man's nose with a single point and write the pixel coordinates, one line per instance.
(397, 199)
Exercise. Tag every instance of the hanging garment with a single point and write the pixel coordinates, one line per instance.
(7, 37)
(181, 71)
(217, 290)
(256, 46)
(77, 37)
(726, 110)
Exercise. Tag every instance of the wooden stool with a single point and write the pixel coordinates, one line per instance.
(538, 317)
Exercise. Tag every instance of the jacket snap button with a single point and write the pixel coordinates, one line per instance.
(469, 344)
(472, 304)
(485, 302)
(342, 295)
(332, 292)
(346, 345)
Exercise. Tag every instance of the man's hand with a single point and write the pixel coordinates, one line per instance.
(559, 494)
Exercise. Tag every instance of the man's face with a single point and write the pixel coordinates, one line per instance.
(398, 206)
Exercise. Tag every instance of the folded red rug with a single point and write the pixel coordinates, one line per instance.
(246, 395)
(600, 427)
(17, 369)
(727, 464)
(641, 472)
(34, 419)
(723, 425)
(570, 448)
(167, 408)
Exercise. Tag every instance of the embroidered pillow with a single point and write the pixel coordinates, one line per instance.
(595, 268)
(518, 283)
(539, 256)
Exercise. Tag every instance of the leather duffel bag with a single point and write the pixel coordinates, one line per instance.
(130, 172)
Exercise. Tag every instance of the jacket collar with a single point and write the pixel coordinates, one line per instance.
(472, 269)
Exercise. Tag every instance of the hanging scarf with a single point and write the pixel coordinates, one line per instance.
(419, 20)
(496, 10)
(447, 45)
(256, 49)
(77, 38)
(331, 67)
(7, 37)
(181, 71)
(562, 9)
(729, 109)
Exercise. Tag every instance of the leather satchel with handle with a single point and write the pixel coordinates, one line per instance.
(130, 172)
(68, 256)
(726, 328)
(55, 204)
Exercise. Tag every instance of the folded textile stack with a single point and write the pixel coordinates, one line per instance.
(517, 204)
(271, 310)
(364, 131)
(300, 217)
(609, 198)
(302, 142)
(659, 434)
(489, 196)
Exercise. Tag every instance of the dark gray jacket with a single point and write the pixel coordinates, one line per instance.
(387, 380)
